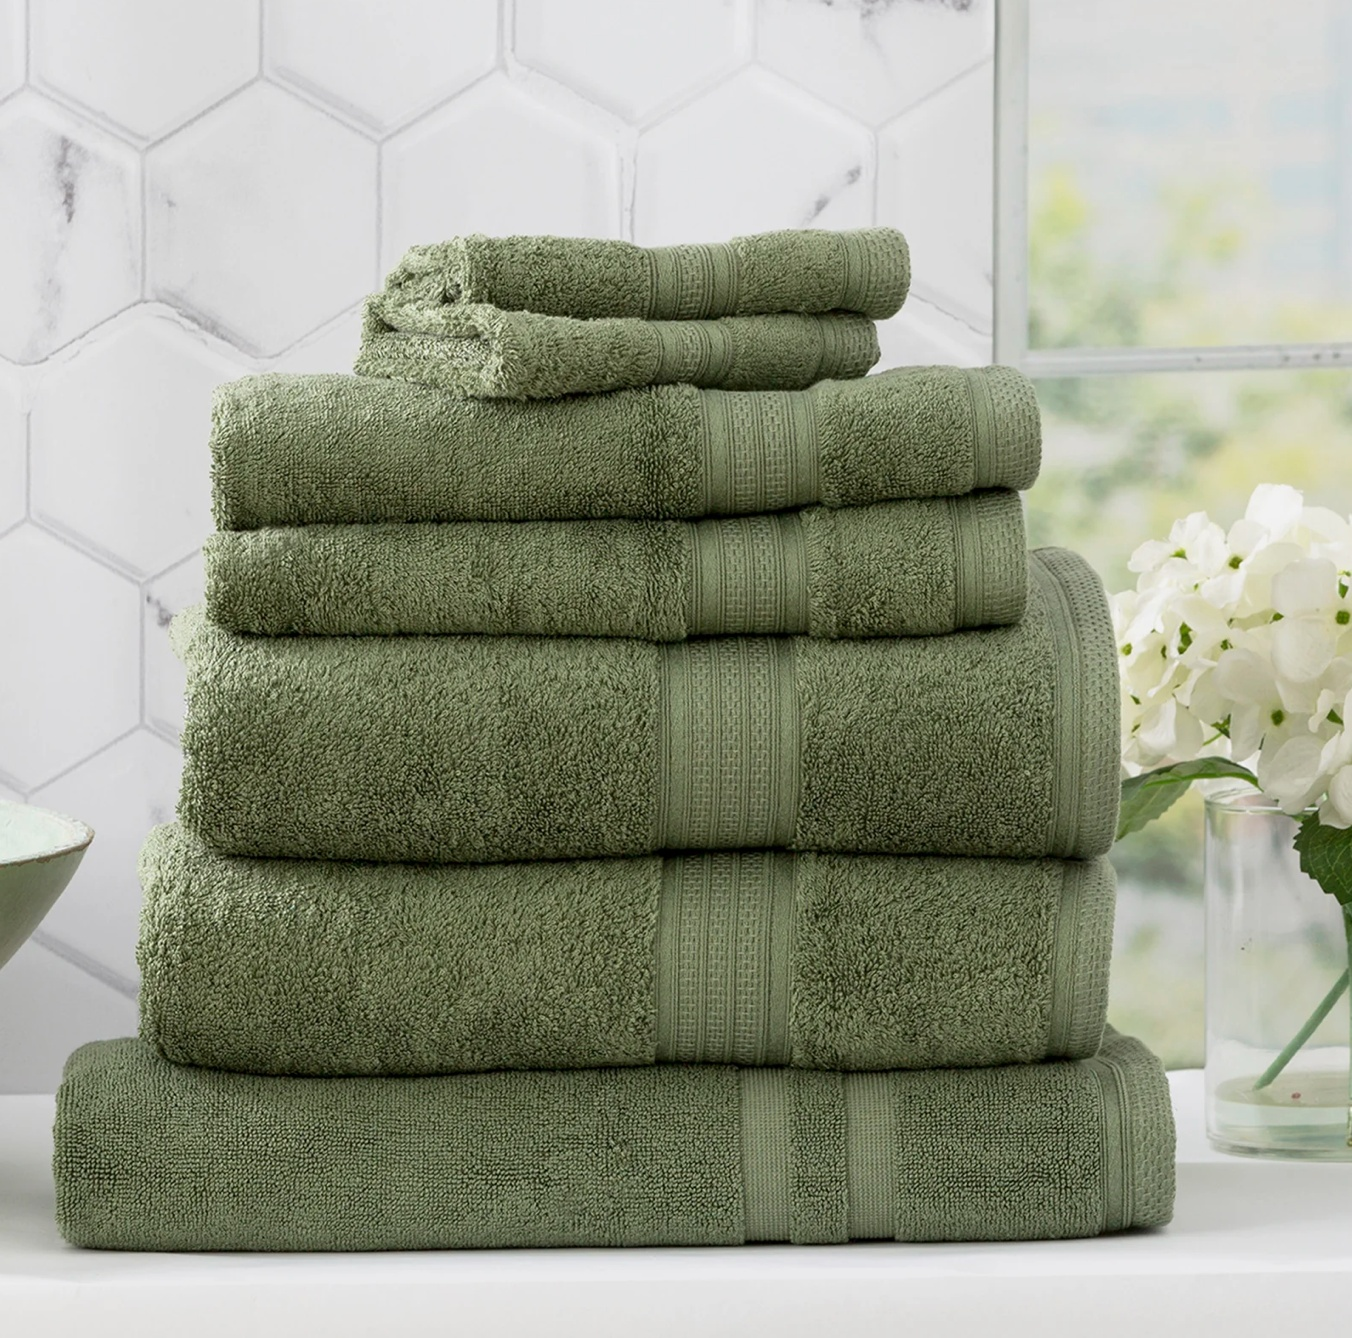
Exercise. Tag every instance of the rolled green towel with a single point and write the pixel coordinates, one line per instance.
(810, 270)
(933, 564)
(292, 450)
(157, 1156)
(486, 353)
(756, 957)
(461, 749)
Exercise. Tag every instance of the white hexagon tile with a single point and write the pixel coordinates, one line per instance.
(261, 219)
(633, 59)
(121, 792)
(381, 64)
(147, 65)
(873, 58)
(13, 451)
(142, 394)
(496, 160)
(70, 659)
(12, 46)
(935, 184)
(165, 678)
(753, 154)
(70, 245)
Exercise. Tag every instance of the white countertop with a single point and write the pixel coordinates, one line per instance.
(1259, 1247)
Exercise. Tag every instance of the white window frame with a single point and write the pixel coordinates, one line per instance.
(1010, 222)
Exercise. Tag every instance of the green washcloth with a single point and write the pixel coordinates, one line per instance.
(811, 270)
(934, 564)
(156, 1156)
(441, 748)
(291, 450)
(487, 353)
(757, 957)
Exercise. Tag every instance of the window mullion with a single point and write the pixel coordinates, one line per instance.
(1056, 362)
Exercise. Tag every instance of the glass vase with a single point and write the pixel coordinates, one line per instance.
(1277, 1005)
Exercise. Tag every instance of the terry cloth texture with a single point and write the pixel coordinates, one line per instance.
(909, 568)
(757, 957)
(158, 1156)
(487, 353)
(467, 749)
(295, 450)
(808, 270)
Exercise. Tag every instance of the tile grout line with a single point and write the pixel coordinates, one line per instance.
(320, 331)
(627, 181)
(238, 91)
(144, 160)
(379, 265)
(88, 757)
(384, 137)
(933, 93)
(926, 297)
(86, 547)
(143, 599)
(27, 459)
(91, 966)
(11, 782)
(317, 102)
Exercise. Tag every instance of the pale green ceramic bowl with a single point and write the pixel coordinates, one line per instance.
(39, 851)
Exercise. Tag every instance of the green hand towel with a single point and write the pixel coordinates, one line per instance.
(810, 270)
(156, 1156)
(758, 957)
(292, 450)
(462, 749)
(487, 353)
(934, 564)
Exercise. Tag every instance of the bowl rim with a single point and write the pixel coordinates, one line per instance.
(87, 835)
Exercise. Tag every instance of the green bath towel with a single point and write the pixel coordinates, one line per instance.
(156, 1156)
(809, 270)
(930, 565)
(486, 353)
(465, 749)
(292, 450)
(756, 957)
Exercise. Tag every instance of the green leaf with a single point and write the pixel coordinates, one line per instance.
(1326, 855)
(1146, 796)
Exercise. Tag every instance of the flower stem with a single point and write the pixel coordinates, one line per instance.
(1347, 930)
(1307, 1030)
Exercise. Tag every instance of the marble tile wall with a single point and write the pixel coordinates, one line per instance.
(191, 192)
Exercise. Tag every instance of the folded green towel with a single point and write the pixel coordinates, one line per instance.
(487, 353)
(934, 564)
(156, 1156)
(448, 748)
(757, 957)
(868, 271)
(290, 450)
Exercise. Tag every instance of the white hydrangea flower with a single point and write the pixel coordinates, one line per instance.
(1336, 810)
(1238, 643)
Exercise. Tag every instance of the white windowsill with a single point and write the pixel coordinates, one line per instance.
(1256, 1247)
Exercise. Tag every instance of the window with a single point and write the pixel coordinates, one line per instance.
(1174, 267)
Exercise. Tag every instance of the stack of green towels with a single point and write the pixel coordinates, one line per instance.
(638, 789)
